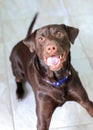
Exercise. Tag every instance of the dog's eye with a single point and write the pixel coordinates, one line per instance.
(59, 34)
(41, 38)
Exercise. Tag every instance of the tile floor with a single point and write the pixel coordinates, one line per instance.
(15, 17)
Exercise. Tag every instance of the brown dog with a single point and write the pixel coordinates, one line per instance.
(43, 59)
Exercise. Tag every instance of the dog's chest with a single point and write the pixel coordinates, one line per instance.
(58, 94)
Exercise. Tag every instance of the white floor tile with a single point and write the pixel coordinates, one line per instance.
(81, 127)
(77, 51)
(79, 8)
(6, 117)
(6, 120)
(12, 10)
(84, 24)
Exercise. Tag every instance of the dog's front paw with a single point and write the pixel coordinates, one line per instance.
(20, 91)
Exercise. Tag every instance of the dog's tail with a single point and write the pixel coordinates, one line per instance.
(32, 24)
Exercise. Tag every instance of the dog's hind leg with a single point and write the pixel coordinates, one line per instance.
(19, 90)
(19, 76)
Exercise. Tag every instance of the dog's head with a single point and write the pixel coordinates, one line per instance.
(52, 44)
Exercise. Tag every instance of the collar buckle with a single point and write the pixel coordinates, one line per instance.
(59, 82)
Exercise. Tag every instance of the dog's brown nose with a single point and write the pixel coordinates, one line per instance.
(51, 49)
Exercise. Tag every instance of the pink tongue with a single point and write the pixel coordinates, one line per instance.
(52, 60)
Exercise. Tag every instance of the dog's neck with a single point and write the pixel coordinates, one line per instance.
(44, 70)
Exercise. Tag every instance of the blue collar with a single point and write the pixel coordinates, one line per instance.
(59, 82)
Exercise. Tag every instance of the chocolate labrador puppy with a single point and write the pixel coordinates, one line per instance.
(43, 59)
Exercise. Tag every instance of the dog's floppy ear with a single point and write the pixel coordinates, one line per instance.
(30, 42)
(72, 33)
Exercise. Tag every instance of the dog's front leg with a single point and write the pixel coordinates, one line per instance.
(45, 107)
(77, 92)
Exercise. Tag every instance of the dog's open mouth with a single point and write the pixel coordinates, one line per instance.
(55, 62)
